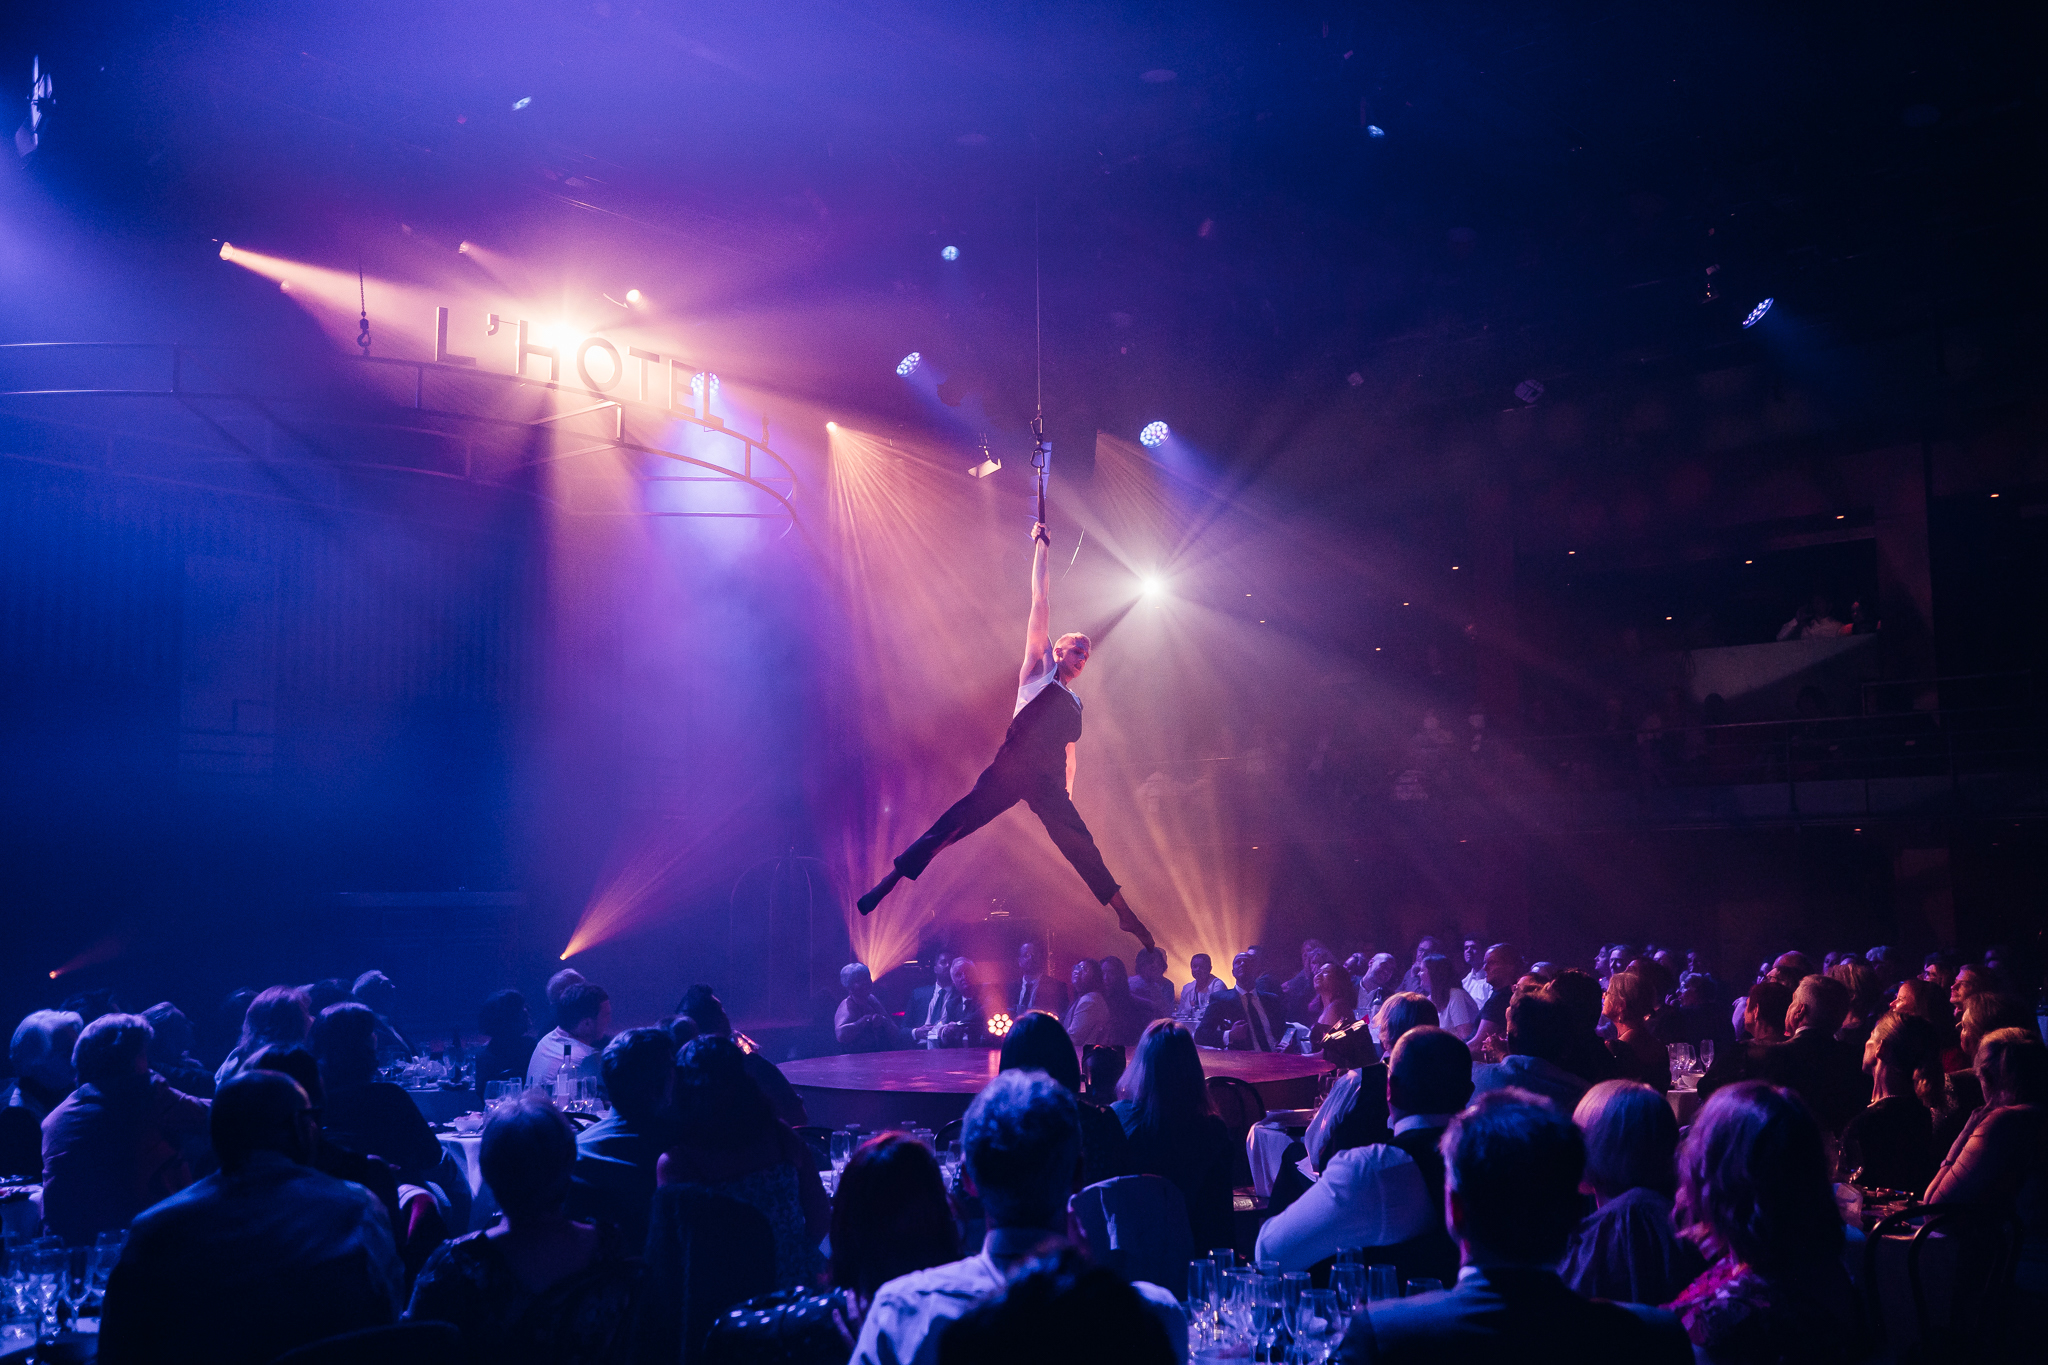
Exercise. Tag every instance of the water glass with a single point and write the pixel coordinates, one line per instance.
(1382, 1282)
(1319, 1323)
(1423, 1286)
(1201, 1283)
(1293, 1285)
(842, 1150)
(1347, 1282)
(1706, 1054)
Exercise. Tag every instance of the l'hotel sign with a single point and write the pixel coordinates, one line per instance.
(678, 378)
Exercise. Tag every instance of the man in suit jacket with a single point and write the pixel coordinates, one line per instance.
(1248, 1019)
(1512, 1171)
(919, 1011)
(1812, 1062)
(1037, 988)
(954, 1017)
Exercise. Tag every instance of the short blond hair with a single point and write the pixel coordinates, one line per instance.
(1066, 642)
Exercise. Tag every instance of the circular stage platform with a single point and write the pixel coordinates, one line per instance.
(891, 1089)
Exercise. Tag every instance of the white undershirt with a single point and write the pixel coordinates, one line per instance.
(1048, 674)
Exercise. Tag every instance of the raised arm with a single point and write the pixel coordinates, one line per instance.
(1038, 629)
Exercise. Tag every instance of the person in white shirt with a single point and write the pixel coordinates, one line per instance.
(1455, 1011)
(1022, 1139)
(1195, 996)
(1385, 1193)
(583, 1025)
(1475, 983)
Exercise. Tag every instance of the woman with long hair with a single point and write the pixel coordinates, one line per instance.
(1174, 1131)
(1626, 1249)
(1336, 999)
(1038, 1042)
(1890, 1145)
(1755, 1195)
(1629, 1002)
(360, 1113)
(1088, 1021)
(281, 1016)
(1127, 1017)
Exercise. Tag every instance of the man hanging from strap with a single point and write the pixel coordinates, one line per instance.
(1035, 764)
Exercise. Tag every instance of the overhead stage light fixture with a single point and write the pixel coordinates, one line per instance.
(227, 251)
(951, 253)
(908, 365)
(1155, 433)
(1756, 314)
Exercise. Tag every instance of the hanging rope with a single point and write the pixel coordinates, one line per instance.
(363, 301)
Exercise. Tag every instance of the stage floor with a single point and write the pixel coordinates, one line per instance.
(891, 1089)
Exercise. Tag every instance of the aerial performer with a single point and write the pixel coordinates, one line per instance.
(1036, 763)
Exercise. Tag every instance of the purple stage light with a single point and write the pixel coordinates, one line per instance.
(1756, 314)
(908, 365)
(1155, 433)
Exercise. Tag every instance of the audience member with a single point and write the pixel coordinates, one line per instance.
(1474, 982)
(1498, 970)
(1538, 1034)
(1336, 997)
(701, 1006)
(953, 1016)
(2000, 1159)
(1638, 1054)
(1300, 989)
(170, 1051)
(1375, 982)
(1060, 1308)
(1127, 1018)
(1627, 1249)
(1037, 987)
(920, 1010)
(1413, 979)
(1583, 998)
(583, 1024)
(1355, 1112)
(1512, 1168)
(327, 991)
(1866, 998)
(1174, 1131)
(375, 990)
(1388, 1196)
(729, 1140)
(1454, 1008)
(361, 1113)
(40, 1055)
(1811, 1062)
(539, 1286)
(508, 1049)
(1755, 1196)
(1890, 1145)
(862, 1023)
(1023, 1148)
(1695, 1016)
(1203, 987)
(374, 1174)
(616, 1157)
(265, 1255)
(1763, 1025)
(1039, 1042)
(1087, 1020)
(278, 1017)
(119, 1142)
(1247, 1019)
(1149, 986)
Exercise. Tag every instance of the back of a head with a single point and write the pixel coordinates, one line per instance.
(1538, 1027)
(1060, 1308)
(1429, 1072)
(854, 976)
(1824, 1001)
(1634, 993)
(527, 1153)
(344, 1042)
(1861, 979)
(2013, 1064)
(503, 1015)
(718, 1105)
(1402, 1011)
(321, 994)
(579, 1001)
(374, 989)
(171, 1030)
(43, 1041)
(1022, 1139)
(1514, 1164)
(1908, 1045)
(639, 1067)
(1165, 1083)
(890, 1215)
(294, 1062)
(110, 1048)
(562, 981)
(702, 1004)
(1631, 1139)
(1770, 1000)
(258, 1111)
(1755, 1172)
(1581, 995)
(1038, 1041)
(280, 1014)
(1983, 1014)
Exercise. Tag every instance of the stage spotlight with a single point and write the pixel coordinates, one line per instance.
(462, 248)
(1374, 130)
(1155, 433)
(1152, 585)
(951, 253)
(908, 365)
(227, 251)
(831, 426)
(519, 104)
(1756, 314)
(634, 296)
(697, 384)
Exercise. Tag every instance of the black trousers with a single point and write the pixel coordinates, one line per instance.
(995, 791)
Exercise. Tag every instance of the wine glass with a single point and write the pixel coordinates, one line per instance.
(1382, 1282)
(1263, 1293)
(842, 1151)
(1201, 1298)
(1423, 1285)
(74, 1282)
(1706, 1054)
(1347, 1282)
(1319, 1323)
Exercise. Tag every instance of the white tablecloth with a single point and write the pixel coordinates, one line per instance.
(1265, 1145)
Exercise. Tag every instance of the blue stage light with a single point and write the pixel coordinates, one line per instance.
(1155, 433)
(519, 104)
(697, 384)
(908, 364)
(1756, 314)
(1374, 130)
(951, 253)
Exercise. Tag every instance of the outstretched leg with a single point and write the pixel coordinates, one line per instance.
(1055, 810)
(992, 795)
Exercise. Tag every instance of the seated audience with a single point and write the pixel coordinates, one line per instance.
(890, 1217)
(1039, 1042)
(1037, 987)
(374, 1174)
(1961, 1095)
(729, 1141)
(539, 1286)
(119, 1142)
(1498, 970)
(862, 1023)
(1375, 983)
(278, 1017)
(1538, 1034)
(1455, 1009)
(328, 991)
(1890, 1145)
(1336, 997)
(1203, 986)
(1127, 1018)
(1763, 1025)
(1298, 992)
(508, 1051)
(1149, 985)
(40, 1054)
(1696, 1015)
(1355, 1115)
(702, 1007)
(1866, 999)
(1638, 1055)
(1583, 998)
(265, 1255)
(583, 1024)
(1387, 1196)
(170, 1051)
(1060, 1308)
(375, 991)
(1088, 1019)
(1512, 1167)
(1247, 1019)
(1812, 1062)
(1022, 1146)
(1627, 1249)
(361, 1113)
(1174, 1131)
(1755, 1195)
(2000, 1159)
(616, 1156)
(953, 1016)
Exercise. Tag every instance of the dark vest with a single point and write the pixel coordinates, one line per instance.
(1039, 734)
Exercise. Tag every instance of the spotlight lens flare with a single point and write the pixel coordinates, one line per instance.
(1155, 433)
(227, 251)
(1152, 585)
(1756, 314)
(908, 365)
(697, 383)
(634, 296)
(519, 104)
(951, 253)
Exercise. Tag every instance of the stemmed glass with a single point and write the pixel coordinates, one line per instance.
(1706, 1054)
(1201, 1298)
(1347, 1282)
(1319, 1322)
(47, 1268)
(1263, 1294)
(74, 1283)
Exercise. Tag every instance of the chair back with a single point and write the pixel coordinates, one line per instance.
(400, 1343)
(1137, 1225)
(706, 1253)
(1953, 1264)
(1237, 1102)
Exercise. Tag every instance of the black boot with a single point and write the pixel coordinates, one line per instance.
(883, 887)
